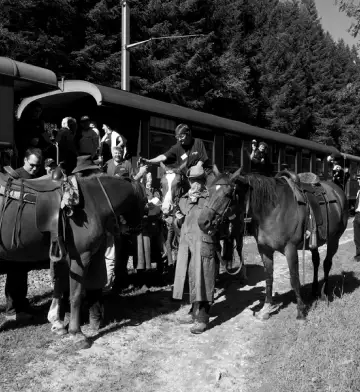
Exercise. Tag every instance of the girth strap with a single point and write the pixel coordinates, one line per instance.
(15, 242)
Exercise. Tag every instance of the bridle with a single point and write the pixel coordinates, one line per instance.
(226, 214)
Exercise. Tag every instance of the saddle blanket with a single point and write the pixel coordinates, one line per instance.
(317, 198)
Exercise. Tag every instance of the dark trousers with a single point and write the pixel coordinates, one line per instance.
(16, 288)
(356, 224)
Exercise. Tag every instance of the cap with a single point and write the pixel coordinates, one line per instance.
(49, 162)
(85, 118)
(254, 141)
(182, 129)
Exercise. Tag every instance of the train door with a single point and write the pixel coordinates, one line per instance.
(352, 184)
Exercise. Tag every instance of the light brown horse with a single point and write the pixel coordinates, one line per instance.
(279, 224)
(103, 199)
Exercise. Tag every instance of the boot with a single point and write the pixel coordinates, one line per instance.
(201, 318)
(188, 318)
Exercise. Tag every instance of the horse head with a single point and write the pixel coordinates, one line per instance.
(227, 198)
(173, 185)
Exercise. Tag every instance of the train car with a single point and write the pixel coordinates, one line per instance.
(149, 125)
(17, 81)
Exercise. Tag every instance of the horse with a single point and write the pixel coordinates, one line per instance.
(104, 200)
(174, 184)
(280, 223)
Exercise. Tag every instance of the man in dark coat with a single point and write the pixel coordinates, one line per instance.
(196, 254)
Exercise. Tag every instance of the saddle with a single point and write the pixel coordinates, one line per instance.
(46, 194)
(309, 192)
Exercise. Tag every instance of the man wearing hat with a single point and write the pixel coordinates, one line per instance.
(187, 152)
(196, 255)
(356, 223)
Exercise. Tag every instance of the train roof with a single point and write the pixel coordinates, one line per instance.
(28, 79)
(107, 96)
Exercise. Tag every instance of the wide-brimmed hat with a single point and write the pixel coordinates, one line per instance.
(195, 172)
(85, 162)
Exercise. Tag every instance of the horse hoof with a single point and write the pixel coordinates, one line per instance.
(59, 331)
(262, 316)
(300, 317)
(82, 344)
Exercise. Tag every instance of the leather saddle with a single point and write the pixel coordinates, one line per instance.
(309, 192)
(45, 193)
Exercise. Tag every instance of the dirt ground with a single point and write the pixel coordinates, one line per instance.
(144, 348)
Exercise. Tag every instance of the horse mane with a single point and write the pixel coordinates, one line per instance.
(263, 189)
(263, 192)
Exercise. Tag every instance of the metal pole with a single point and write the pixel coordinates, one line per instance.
(125, 40)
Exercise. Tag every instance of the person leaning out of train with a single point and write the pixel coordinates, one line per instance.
(340, 175)
(187, 152)
(260, 162)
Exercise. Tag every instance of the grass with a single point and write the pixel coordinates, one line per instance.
(321, 354)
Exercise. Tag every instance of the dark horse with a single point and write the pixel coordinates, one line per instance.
(174, 184)
(279, 224)
(103, 200)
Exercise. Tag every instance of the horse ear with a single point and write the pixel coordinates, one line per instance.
(237, 174)
(216, 170)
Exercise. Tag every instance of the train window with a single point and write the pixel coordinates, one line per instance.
(207, 136)
(320, 166)
(290, 157)
(232, 153)
(209, 146)
(160, 142)
(305, 161)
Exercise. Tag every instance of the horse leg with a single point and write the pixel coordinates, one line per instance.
(316, 262)
(267, 256)
(293, 263)
(60, 277)
(77, 274)
(332, 247)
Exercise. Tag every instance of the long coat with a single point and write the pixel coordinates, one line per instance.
(196, 254)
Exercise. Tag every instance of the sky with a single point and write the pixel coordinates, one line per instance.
(334, 21)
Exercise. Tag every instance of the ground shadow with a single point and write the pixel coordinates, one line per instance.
(236, 300)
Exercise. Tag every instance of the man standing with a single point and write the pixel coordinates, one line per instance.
(196, 255)
(118, 166)
(88, 141)
(187, 152)
(356, 223)
(17, 305)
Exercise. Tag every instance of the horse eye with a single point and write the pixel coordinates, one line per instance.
(218, 187)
